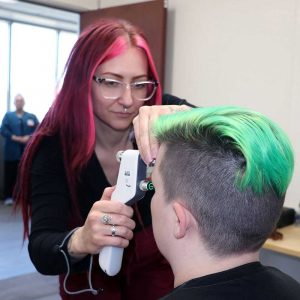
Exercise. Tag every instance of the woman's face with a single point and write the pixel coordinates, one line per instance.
(128, 67)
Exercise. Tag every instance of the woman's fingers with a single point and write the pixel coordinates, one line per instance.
(107, 193)
(143, 124)
(107, 206)
(118, 231)
(117, 219)
(141, 131)
(109, 223)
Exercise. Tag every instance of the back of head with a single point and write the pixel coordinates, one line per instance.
(233, 167)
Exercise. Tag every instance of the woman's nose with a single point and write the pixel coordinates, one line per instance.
(126, 99)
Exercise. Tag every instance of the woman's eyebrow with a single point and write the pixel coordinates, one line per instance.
(142, 76)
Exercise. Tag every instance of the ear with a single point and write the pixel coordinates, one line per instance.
(183, 220)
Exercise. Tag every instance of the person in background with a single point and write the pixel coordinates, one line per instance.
(220, 181)
(16, 128)
(70, 168)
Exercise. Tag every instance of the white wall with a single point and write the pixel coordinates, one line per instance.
(240, 52)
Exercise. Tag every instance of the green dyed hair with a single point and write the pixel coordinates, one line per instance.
(268, 154)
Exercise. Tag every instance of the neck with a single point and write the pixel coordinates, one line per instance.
(198, 264)
(19, 111)
(109, 138)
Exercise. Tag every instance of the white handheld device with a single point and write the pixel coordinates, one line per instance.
(131, 187)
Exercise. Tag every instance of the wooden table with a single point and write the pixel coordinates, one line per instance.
(284, 254)
(289, 245)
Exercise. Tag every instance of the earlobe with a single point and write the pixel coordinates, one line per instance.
(181, 223)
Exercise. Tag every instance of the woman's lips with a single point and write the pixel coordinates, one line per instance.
(123, 114)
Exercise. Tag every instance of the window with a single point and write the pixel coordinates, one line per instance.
(33, 65)
(4, 70)
(66, 41)
(35, 44)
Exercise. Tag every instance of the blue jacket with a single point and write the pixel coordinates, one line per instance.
(19, 126)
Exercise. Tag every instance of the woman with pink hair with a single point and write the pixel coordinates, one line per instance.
(69, 168)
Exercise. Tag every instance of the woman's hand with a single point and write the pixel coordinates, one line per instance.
(142, 123)
(95, 233)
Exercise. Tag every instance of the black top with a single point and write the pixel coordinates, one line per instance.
(51, 204)
(248, 282)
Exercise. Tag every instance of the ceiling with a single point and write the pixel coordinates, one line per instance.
(75, 5)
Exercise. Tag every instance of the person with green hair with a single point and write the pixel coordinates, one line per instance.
(220, 181)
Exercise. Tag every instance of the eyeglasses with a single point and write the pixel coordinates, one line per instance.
(113, 89)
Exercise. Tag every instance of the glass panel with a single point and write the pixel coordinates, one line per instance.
(66, 41)
(4, 71)
(33, 66)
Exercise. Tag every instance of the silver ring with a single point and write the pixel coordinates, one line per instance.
(106, 219)
(113, 230)
(125, 108)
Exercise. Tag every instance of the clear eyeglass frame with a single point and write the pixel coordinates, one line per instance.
(117, 87)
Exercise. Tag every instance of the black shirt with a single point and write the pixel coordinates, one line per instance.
(252, 281)
(51, 202)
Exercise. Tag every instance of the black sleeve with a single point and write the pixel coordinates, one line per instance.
(50, 201)
(169, 99)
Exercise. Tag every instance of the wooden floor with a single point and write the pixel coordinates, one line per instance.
(18, 277)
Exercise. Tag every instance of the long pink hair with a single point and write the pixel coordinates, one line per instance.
(71, 114)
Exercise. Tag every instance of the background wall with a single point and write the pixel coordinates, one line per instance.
(234, 52)
(242, 53)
